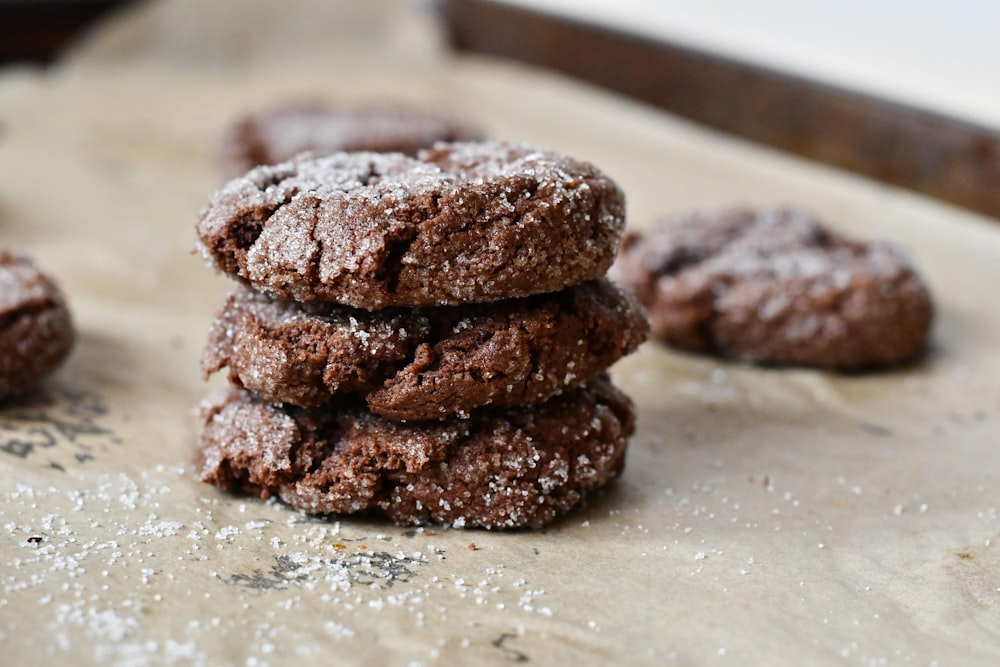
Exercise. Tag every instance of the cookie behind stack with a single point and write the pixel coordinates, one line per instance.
(276, 134)
(776, 286)
(422, 337)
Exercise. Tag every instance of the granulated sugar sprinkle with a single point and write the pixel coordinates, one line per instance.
(114, 565)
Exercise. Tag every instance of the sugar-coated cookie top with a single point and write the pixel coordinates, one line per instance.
(21, 284)
(466, 222)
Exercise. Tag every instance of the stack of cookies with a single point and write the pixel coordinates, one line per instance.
(422, 337)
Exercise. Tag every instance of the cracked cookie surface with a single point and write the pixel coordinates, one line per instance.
(461, 223)
(512, 468)
(36, 330)
(278, 134)
(426, 363)
(774, 286)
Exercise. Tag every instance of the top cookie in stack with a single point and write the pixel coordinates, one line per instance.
(464, 223)
(425, 337)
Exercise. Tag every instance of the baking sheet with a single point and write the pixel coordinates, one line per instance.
(764, 517)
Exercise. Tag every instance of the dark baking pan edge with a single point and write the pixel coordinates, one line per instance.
(946, 158)
(36, 31)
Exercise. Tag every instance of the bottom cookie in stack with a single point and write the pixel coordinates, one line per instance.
(498, 468)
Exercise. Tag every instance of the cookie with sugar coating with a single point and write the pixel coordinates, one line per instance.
(776, 287)
(428, 363)
(36, 330)
(461, 223)
(513, 468)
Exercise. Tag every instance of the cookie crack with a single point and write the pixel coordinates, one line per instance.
(398, 245)
(308, 452)
(533, 361)
(396, 249)
(678, 261)
(372, 177)
(313, 267)
(246, 228)
(707, 328)
(28, 310)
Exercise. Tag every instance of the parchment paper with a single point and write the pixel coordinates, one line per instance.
(764, 517)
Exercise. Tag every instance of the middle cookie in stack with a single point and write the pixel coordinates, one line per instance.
(426, 338)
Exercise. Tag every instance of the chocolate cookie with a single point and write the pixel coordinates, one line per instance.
(424, 363)
(36, 332)
(776, 287)
(468, 222)
(278, 134)
(521, 467)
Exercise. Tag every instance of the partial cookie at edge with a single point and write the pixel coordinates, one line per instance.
(36, 330)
